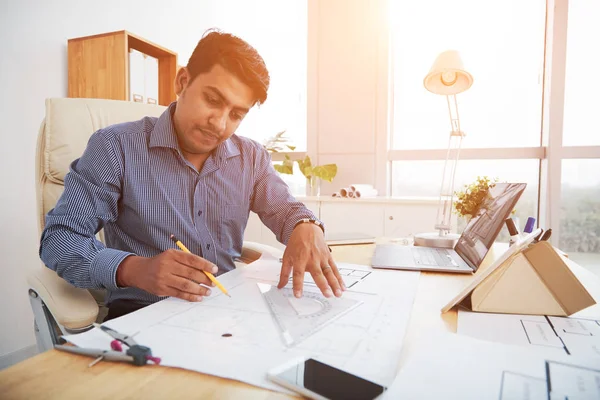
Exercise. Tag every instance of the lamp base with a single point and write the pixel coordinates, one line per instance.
(433, 239)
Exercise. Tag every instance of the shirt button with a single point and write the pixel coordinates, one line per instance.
(200, 213)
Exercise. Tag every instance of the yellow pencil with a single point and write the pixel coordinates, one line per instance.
(210, 276)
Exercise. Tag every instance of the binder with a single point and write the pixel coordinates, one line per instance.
(530, 279)
(136, 76)
(151, 79)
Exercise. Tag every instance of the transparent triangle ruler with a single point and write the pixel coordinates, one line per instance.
(299, 318)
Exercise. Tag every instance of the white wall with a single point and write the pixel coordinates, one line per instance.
(33, 66)
(348, 88)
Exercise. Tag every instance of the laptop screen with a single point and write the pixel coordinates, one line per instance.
(481, 231)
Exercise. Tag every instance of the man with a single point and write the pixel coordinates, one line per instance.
(185, 173)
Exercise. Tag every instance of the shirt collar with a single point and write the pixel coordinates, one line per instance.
(163, 135)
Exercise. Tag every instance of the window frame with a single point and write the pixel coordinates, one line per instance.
(550, 151)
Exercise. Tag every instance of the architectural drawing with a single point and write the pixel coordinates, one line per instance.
(566, 335)
(470, 369)
(515, 385)
(220, 332)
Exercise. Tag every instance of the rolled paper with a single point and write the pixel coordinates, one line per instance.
(365, 193)
(361, 187)
(345, 191)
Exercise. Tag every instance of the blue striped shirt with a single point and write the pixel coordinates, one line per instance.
(133, 181)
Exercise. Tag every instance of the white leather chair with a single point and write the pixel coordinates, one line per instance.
(58, 307)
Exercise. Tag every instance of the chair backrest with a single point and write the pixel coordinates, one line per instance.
(64, 134)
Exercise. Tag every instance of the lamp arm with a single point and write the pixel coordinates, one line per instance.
(446, 199)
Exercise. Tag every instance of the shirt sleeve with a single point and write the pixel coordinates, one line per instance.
(92, 189)
(272, 200)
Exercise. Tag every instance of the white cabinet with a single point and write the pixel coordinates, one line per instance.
(404, 220)
(256, 231)
(352, 218)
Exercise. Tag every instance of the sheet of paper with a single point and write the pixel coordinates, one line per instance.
(237, 337)
(267, 270)
(568, 381)
(450, 366)
(563, 335)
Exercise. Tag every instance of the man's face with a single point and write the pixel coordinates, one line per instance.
(209, 109)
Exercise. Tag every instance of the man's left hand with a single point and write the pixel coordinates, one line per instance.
(307, 251)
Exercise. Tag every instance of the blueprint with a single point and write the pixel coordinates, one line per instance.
(237, 337)
(561, 335)
(466, 368)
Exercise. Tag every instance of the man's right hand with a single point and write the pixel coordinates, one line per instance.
(171, 273)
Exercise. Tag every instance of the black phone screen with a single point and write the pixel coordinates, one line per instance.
(330, 382)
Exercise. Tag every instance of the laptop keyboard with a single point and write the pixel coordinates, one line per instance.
(426, 256)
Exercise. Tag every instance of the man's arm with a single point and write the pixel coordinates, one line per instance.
(90, 199)
(306, 249)
(273, 201)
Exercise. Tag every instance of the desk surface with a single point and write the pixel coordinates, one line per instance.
(55, 374)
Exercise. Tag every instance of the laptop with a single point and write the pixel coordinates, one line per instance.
(472, 246)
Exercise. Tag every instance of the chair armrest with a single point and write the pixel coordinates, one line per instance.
(252, 251)
(71, 307)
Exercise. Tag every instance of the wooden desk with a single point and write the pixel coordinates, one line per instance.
(55, 374)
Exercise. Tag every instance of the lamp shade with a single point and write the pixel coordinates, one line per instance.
(447, 76)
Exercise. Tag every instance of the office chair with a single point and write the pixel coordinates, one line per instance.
(58, 307)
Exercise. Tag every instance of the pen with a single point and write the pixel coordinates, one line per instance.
(512, 231)
(210, 276)
(546, 235)
(538, 237)
(529, 225)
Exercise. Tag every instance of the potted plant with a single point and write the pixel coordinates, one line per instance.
(327, 172)
(473, 196)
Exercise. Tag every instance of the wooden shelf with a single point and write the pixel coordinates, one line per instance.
(99, 66)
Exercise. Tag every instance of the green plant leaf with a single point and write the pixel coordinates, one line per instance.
(326, 172)
(306, 167)
(292, 148)
(284, 169)
(474, 196)
(286, 166)
(307, 172)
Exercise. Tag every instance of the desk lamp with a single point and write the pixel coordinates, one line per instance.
(447, 77)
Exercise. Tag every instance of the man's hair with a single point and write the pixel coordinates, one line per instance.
(233, 54)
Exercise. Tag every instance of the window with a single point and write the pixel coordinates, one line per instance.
(502, 46)
(414, 176)
(512, 113)
(579, 220)
(580, 210)
(582, 87)
(278, 31)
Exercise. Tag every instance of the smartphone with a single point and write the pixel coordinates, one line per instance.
(319, 381)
